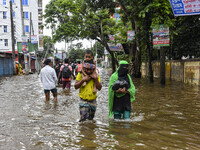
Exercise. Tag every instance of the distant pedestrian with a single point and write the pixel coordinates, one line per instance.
(73, 67)
(49, 80)
(20, 68)
(121, 92)
(57, 67)
(78, 67)
(87, 104)
(17, 67)
(66, 72)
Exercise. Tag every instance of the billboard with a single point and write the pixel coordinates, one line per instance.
(112, 46)
(130, 35)
(116, 15)
(185, 7)
(25, 44)
(160, 36)
(34, 39)
(118, 47)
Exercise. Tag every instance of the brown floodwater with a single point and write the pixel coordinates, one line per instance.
(163, 117)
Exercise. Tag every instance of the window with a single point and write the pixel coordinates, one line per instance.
(4, 15)
(26, 28)
(5, 28)
(4, 2)
(5, 42)
(25, 15)
(13, 14)
(25, 2)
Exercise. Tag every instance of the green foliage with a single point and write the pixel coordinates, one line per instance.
(76, 52)
(98, 47)
(79, 19)
(123, 57)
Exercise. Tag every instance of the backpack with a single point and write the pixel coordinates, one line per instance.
(66, 73)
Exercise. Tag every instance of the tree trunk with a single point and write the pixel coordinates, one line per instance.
(149, 52)
(137, 61)
(114, 61)
(162, 66)
(137, 64)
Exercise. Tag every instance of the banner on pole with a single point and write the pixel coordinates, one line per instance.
(34, 39)
(25, 44)
(114, 45)
(185, 7)
(130, 35)
(116, 15)
(160, 36)
(118, 47)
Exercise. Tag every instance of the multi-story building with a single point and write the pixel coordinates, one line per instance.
(33, 7)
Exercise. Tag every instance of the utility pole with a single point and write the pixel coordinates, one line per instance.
(23, 33)
(30, 42)
(12, 38)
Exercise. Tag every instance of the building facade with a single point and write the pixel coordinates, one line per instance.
(31, 18)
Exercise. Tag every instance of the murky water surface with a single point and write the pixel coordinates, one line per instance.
(163, 117)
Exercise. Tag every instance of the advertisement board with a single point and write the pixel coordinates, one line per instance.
(130, 35)
(160, 36)
(34, 39)
(185, 7)
(118, 47)
(25, 44)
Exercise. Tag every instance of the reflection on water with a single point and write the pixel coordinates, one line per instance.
(163, 117)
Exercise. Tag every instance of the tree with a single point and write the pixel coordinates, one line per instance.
(76, 52)
(48, 48)
(75, 20)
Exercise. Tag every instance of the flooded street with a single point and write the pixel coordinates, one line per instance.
(163, 117)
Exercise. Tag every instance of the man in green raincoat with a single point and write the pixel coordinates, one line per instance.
(120, 99)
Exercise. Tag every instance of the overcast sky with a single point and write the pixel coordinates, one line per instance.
(60, 46)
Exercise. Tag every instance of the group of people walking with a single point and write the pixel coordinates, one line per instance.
(121, 88)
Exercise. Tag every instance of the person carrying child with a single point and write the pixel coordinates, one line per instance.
(87, 104)
(89, 58)
(121, 92)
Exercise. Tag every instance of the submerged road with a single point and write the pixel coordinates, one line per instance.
(163, 117)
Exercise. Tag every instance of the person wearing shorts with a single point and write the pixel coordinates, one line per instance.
(87, 103)
(66, 81)
(49, 80)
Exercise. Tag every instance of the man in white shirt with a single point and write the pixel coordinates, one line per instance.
(49, 80)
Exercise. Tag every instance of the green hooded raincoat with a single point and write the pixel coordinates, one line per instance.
(113, 78)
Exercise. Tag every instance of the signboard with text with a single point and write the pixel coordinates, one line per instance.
(118, 47)
(160, 36)
(34, 39)
(130, 35)
(116, 15)
(25, 44)
(112, 45)
(185, 7)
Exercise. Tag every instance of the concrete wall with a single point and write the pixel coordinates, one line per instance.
(187, 71)
(191, 72)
